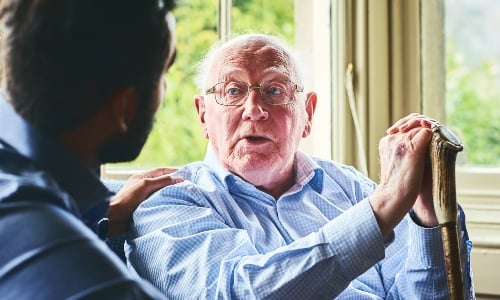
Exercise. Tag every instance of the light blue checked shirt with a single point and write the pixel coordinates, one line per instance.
(215, 236)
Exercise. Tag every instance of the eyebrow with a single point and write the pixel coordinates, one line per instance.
(278, 70)
(231, 71)
(227, 71)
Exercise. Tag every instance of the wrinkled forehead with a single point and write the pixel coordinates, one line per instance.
(254, 60)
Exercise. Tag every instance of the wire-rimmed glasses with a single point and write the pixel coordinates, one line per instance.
(273, 92)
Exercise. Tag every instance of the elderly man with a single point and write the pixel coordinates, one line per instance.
(82, 80)
(260, 219)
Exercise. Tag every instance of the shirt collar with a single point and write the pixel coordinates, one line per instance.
(81, 183)
(307, 170)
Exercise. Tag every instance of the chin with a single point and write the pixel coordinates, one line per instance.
(252, 165)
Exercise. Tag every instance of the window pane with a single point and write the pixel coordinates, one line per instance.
(473, 78)
(176, 137)
(272, 17)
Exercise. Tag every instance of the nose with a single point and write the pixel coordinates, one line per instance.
(253, 107)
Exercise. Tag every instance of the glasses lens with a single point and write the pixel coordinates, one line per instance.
(231, 92)
(277, 92)
(235, 92)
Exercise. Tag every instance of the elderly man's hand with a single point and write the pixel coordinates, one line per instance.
(138, 187)
(404, 162)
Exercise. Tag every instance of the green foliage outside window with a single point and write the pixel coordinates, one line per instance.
(473, 108)
(272, 17)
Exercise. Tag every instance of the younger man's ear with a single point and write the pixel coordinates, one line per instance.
(122, 108)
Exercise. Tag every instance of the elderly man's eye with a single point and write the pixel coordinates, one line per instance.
(274, 90)
(233, 91)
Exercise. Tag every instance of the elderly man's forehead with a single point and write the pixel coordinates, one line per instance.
(255, 46)
(229, 70)
(263, 57)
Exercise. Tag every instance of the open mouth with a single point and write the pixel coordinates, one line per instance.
(255, 138)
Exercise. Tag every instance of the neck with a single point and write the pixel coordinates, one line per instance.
(81, 146)
(277, 188)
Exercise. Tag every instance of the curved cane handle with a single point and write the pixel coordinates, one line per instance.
(443, 152)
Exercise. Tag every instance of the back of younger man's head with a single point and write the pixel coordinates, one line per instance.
(62, 58)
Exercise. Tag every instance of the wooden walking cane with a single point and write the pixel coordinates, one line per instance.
(443, 152)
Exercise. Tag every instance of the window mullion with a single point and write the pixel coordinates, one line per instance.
(225, 17)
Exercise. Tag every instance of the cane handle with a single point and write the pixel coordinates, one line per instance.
(443, 152)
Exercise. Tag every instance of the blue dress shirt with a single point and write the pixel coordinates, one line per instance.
(48, 201)
(215, 236)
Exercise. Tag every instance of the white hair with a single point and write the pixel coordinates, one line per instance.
(202, 68)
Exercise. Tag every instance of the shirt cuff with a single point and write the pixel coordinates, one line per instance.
(425, 245)
(359, 233)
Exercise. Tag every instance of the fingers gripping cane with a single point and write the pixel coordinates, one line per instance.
(443, 152)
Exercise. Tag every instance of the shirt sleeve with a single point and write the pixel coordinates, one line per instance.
(116, 244)
(414, 266)
(53, 255)
(186, 250)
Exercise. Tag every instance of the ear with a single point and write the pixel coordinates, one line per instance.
(310, 108)
(122, 108)
(199, 103)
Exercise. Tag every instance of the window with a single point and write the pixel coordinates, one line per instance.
(473, 78)
(264, 16)
(473, 111)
